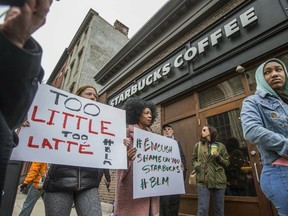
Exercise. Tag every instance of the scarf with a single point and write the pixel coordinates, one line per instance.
(262, 85)
(283, 95)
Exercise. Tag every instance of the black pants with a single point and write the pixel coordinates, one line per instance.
(7, 143)
(169, 205)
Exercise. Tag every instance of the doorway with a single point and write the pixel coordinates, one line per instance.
(243, 195)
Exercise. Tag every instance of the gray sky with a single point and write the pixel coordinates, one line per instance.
(66, 16)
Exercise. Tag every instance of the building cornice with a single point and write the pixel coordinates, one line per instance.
(172, 20)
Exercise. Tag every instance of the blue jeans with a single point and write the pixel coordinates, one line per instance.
(274, 184)
(204, 201)
(32, 197)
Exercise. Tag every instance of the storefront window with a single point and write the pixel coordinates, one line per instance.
(240, 181)
(222, 91)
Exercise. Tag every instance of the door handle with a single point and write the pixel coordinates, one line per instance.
(256, 172)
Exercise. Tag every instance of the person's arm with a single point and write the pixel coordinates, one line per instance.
(183, 159)
(195, 163)
(223, 156)
(32, 174)
(182, 155)
(21, 22)
(20, 58)
(255, 132)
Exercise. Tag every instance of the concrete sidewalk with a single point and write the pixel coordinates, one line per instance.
(39, 207)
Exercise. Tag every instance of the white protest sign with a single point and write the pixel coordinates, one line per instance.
(71, 130)
(157, 167)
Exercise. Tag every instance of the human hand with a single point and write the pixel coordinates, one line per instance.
(127, 141)
(182, 166)
(26, 123)
(131, 153)
(23, 187)
(215, 154)
(20, 23)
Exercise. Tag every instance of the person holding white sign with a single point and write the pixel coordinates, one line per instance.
(67, 184)
(210, 159)
(140, 114)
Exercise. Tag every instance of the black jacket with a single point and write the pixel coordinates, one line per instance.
(20, 72)
(183, 159)
(70, 178)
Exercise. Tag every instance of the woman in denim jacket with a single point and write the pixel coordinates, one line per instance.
(264, 119)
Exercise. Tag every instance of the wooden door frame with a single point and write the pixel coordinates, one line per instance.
(265, 206)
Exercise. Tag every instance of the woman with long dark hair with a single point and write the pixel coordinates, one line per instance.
(140, 114)
(210, 159)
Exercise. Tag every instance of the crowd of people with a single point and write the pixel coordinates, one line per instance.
(263, 116)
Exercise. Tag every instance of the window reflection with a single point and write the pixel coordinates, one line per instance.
(221, 92)
(240, 180)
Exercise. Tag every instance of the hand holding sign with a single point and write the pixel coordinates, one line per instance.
(157, 167)
(71, 130)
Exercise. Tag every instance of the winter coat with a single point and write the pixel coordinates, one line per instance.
(36, 171)
(19, 77)
(62, 178)
(210, 170)
(124, 203)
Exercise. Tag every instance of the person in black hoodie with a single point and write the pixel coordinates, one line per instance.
(65, 185)
(20, 58)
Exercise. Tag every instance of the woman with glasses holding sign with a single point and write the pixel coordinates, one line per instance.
(209, 159)
(66, 185)
(140, 114)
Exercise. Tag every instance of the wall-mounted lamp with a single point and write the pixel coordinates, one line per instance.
(240, 69)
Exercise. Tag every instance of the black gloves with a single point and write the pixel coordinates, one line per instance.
(23, 187)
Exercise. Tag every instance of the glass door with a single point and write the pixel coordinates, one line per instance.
(239, 173)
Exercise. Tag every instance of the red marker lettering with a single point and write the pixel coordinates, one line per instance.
(103, 128)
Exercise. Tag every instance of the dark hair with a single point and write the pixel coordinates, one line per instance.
(134, 106)
(213, 135)
(83, 88)
(165, 126)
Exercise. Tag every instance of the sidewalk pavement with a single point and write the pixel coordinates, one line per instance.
(39, 207)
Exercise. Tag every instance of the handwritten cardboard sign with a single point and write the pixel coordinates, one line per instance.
(71, 130)
(157, 167)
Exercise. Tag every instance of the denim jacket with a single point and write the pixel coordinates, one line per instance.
(265, 123)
